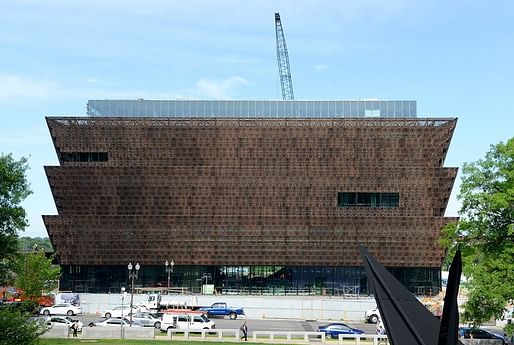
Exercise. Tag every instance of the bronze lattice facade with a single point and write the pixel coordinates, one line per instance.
(215, 194)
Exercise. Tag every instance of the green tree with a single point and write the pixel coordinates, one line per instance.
(485, 232)
(36, 275)
(14, 188)
(28, 244)
(16, 329)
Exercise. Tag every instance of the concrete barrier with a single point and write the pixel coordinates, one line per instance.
(102, 333)
(221, 333)
(377, 339)
(287, 336)
(57, 332)
(116, 333)
(139, 333)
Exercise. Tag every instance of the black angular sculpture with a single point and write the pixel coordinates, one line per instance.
(406, 320)
(448, 333)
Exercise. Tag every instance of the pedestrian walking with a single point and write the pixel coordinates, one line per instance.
(75, 328)
(381, 331)
(244, 329)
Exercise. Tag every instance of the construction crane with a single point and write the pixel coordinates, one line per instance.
(286, 82)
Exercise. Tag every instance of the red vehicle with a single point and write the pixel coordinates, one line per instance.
(10, 294)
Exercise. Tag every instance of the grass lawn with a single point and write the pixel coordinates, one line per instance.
(78, 341)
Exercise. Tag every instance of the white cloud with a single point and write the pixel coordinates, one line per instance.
(14, 88)
(219, 89)
(321, 67)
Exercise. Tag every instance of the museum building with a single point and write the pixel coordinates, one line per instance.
(256, 197)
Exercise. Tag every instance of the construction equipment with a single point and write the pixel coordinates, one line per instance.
(286, 82)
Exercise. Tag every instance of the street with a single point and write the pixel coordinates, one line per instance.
(260, 324)
(272, 324)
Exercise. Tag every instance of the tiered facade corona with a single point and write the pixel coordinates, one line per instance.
(256, 203)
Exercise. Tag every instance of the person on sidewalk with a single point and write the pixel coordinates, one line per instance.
(75, 328)
(244, 329)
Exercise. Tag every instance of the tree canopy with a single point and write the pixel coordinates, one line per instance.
(16, 328)
(28, 244)
(35, 274)
(14, 188)
(485, 232)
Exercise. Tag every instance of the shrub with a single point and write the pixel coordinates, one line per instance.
(17, 327)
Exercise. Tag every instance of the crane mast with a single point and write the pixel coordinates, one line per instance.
(286, 82)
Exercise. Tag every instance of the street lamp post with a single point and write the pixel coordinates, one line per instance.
(205, 276)
(122, 299)
(133, 271)
(169, 270)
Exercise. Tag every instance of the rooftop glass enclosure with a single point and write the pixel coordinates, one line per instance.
(252, 108)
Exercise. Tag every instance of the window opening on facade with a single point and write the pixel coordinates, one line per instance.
(367, 199)
(85, 156)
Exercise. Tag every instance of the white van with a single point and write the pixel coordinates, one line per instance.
(186, 322)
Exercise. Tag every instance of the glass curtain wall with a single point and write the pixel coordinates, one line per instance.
(249, 280)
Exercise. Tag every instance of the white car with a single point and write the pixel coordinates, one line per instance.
(372, 315)
(116, 323)
(119, 311)
(146, 319)
(61, 309)
(63, 321)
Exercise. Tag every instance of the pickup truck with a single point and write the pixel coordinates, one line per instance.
(221, 309)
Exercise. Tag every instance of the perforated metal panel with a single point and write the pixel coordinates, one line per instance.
(247, 191)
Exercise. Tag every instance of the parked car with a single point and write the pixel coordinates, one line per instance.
(481, 333)
(61, 309)
(332, 330)
(119, 311)
(63, 321)
(146, 319)
(372, 315)
(116, 323)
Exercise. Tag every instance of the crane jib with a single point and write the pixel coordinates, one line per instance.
(284, 70)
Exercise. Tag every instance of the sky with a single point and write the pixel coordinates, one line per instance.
(455, 58)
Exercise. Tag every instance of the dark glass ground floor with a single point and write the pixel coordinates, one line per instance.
(255, 280)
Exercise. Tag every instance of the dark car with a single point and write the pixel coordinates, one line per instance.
(480, 333)
(333, 330)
